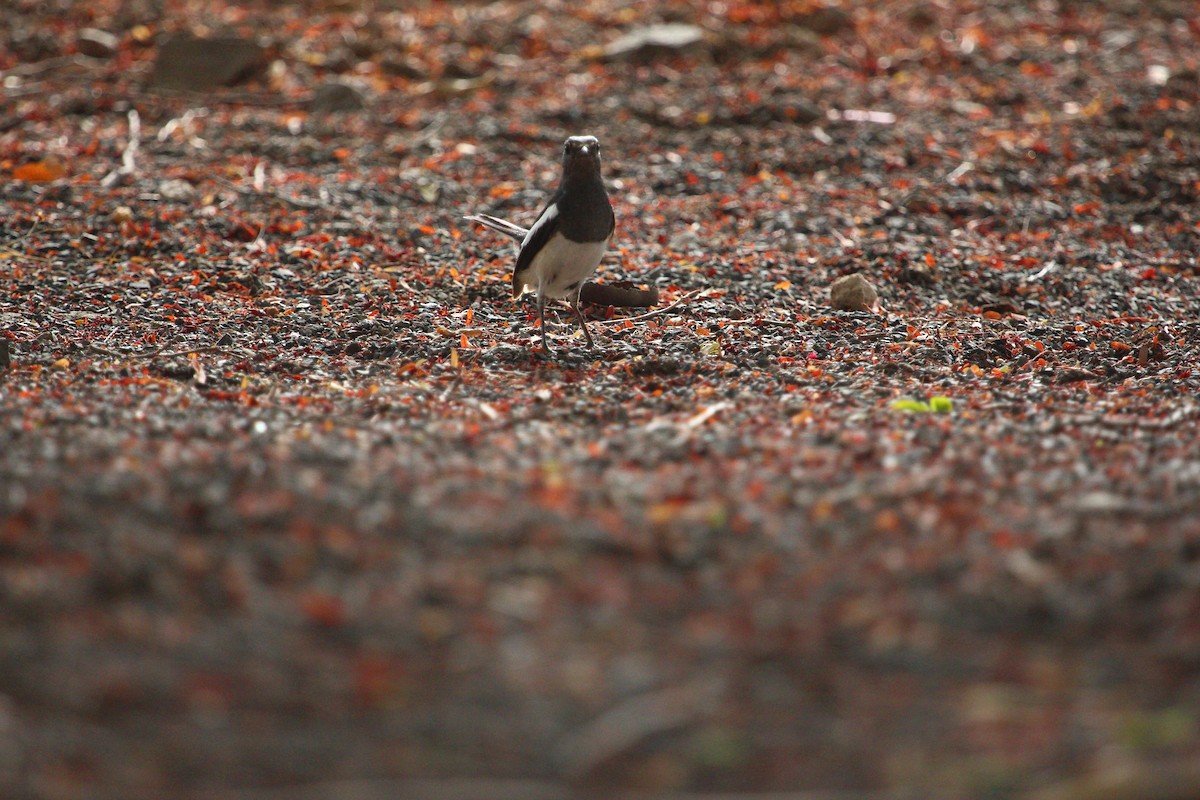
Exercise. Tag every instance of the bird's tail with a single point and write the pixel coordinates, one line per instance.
(499, 225)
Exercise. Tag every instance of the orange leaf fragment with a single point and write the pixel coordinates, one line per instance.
(502, 191)
(44, 171)
(887, 521)
(1004, 540)
(323, 609)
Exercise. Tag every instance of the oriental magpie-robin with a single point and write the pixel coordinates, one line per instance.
(566, 243)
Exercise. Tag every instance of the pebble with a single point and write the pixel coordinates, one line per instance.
(96, 43)
(655, 41)
(853, 293)
(337, 96)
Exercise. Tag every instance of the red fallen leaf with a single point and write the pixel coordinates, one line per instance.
(241, 231)
(238, 397)
(209, 690)
(1086, 208)
(44, 171)
(375, 680)
(323, 609)
(1120, 346)
(887, 521)
(1004, 540)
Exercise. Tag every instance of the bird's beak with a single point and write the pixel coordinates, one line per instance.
(583, 150)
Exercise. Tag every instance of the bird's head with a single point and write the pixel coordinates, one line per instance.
(581, 155)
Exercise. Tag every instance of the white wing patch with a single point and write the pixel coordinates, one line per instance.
(545, 219)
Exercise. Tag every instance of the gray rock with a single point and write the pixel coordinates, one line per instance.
(826, 20)
(656, 41)
(189, 62)
(97, 43)
(175, 189)
(853, 293)
(404, 67)
(336, 96)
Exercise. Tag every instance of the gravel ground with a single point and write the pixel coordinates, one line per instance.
(292, 505)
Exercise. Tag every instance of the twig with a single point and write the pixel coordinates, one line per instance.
(454, 384)
(104, 351)
(212, 348)
(843, 240)
(1141, 423)
(430, 130)
(622, 727)
(129, 154)
(1048, 357)
(959, 171)
(159, 353)
(258, 99)
(45, 65)
(681, 299)
(304, 204)
(497, 789)
(705, 415)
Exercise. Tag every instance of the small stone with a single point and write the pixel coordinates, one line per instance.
(403, 67)
(335, 97)
(175, 189)
(825, 20)
(192, 63)
(853, 293)
(655, 41)
(803, 111)
(96, 43)
(915, 275)
(802, 40)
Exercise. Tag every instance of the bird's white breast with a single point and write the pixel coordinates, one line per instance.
(561, 265)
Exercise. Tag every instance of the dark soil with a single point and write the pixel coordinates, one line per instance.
(292, 505)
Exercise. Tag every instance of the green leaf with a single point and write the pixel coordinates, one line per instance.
(941, 405)
(908, 404)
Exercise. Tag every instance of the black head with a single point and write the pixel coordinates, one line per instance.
(581, 156)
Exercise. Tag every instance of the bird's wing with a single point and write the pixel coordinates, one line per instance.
(541, 232)
(509, 229)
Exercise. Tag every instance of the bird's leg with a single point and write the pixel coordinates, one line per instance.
(579, 316)
(541, 303)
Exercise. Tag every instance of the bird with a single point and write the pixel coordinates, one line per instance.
(564, 245)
